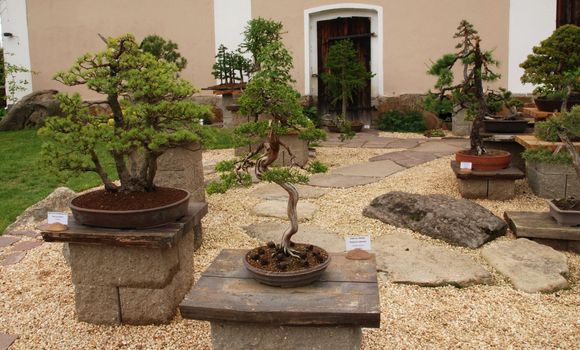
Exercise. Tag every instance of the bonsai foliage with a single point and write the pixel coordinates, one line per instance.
(258, 34)
(450, 96)
(554, 65)
(230, 66)
(150, 111)
(346, 75)
(163, 49)
(271, 95)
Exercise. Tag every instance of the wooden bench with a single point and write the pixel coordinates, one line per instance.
(493, 184)
(541, 227)
(245, 314)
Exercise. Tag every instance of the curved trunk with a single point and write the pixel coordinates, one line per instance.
(272, 148)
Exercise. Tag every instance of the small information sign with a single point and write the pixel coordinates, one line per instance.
(465, 165)
(360, 242)
(57, 217)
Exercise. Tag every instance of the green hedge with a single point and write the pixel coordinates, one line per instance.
(395, 120)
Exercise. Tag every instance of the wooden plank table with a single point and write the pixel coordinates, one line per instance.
(531, 141)
(541, 227)
(346, 294)
(537, 114)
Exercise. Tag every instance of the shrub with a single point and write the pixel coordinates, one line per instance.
(434, 133)
(396, 120)
(544, 155)
(317, 167)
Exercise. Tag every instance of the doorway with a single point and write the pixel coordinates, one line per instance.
(358, 30)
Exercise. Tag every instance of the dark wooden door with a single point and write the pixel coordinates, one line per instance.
(356, 29)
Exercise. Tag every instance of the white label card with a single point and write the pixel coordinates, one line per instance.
(57, 217)
(465, 165)
(360, 242)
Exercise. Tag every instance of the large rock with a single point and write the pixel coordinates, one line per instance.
(530, 267)
(456, 221)
(411, 261)
(56, 201)
(31, 111)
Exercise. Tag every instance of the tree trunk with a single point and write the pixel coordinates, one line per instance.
(344, 103)
(475, 137)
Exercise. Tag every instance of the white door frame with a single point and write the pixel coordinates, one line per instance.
(322, 13)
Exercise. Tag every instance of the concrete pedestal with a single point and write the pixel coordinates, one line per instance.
(553, 180)
(494, 184)
(182, 167)
(131, 276)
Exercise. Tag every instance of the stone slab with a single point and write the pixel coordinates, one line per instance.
(13, 258)
(27, 233)
(97, 304)
(242, 336)
(273, 191)
(407, 158)
(404, 143)
(27, 245)
(272, 231)
(370, 169)
(499, 189)
(6, 340)
(440, 147)
(341, 181)
(530, 266)
(279, 208)
(411, 261)
(6, 241)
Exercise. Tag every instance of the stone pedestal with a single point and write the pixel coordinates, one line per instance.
(245, 314)
(553, 180)
(131, 276)
(182, 167)
(460, 126)
(228, 113)
(493, 184)
(298, 147)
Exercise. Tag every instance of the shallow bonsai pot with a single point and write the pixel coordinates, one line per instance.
(356, 126)
(517, 126)
(289, 279)
(130, 219)
(493, 160)
(545, 105)
(564, 217)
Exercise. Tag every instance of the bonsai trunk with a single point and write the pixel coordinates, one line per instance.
(272, 149)
(344, 103)
(475, 136)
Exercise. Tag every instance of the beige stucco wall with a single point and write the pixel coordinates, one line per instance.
(62, 30)
(414, 32)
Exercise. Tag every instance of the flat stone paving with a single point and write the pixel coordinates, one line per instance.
(341, 181)
(6, 340)
(273, 191)
(278, 209)
(382, 168)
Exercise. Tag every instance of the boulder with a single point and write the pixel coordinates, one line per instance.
(31, 111)
(457, 221)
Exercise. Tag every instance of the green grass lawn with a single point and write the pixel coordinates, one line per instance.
(24, 181)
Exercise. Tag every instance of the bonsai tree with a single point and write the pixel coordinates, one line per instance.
(150, 112)
(346, 74)
(230, 67)
(269, 93)
(451, 96)
(258, 34)
(554, 65)
(163, 49)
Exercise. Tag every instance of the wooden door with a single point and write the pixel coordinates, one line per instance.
(356, 29)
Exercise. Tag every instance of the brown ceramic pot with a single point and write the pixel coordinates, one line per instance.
(493, 160)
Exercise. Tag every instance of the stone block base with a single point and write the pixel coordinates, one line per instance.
(553, 180)
(232, 336)
(496, 189)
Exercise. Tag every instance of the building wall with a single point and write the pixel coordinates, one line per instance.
(62, 30)
(414, 33)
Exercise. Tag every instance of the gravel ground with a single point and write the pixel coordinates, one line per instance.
(37, 297)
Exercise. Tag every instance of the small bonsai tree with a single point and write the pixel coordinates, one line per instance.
(346, 75)
(230, 66)
(270, 93)
(258, 34)
(151, 111)
(163, 49)
(554, 65)
(468, 94)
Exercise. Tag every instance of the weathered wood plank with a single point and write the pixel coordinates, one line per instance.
(229, 265)
(539, 225)
(531, 141)
(347, 295)
(159, 237)
(509, 173)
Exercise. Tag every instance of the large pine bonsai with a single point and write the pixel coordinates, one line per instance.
(151, 111)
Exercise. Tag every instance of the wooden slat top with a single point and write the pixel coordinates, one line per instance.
(159, 237)
(539, 225)
(509, 173)
(536, 113)
(346, 294)
(531, 141)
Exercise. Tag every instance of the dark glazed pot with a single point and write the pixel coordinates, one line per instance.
(131, 219)
(494, 160)
(288, 279)
(546, 105)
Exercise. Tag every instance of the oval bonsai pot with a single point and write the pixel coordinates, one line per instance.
(493, 160)
(564, 217)
(287, 279)
(550, 105)
(515, 126)
(130, 219)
